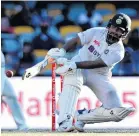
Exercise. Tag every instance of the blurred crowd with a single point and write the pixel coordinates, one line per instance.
(30, 28)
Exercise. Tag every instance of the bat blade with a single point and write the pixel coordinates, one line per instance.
(35, 70)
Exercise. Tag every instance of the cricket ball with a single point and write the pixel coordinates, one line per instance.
(9, 73)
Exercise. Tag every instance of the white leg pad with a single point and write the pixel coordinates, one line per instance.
(68, 99)
(75, 79)
(67, 102)
(101, 114)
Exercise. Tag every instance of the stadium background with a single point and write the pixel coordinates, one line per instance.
(29, 29)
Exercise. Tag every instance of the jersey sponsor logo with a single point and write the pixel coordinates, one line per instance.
(96, 42)
(92, 50)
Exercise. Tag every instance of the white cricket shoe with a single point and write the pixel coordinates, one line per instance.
(79, 125)
(66, 126)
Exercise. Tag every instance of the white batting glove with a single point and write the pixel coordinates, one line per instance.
(61, 61)
(67, 69)
(56, 52)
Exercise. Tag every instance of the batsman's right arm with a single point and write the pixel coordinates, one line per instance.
(81, 38)
(70, 44)
(56, 52)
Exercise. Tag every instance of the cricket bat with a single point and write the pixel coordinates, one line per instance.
(35, 70)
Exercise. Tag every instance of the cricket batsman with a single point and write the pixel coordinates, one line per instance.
(102, 49)
(7, 91)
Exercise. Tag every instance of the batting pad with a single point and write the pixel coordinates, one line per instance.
(67, 102)
(101, 114)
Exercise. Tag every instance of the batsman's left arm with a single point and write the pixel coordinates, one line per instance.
(90, 64)
(106, 60)
(71, 66)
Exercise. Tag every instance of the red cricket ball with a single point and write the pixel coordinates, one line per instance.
(9, 73)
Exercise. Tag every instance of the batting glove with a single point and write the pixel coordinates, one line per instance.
(56, 52)
(67, 69)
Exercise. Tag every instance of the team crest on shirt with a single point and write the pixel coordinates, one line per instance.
(106, 51)
(96, 42)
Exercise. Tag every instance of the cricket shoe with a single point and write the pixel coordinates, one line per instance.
(66, 125)
(79, 125)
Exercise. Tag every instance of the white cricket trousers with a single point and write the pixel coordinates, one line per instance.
(101, 86)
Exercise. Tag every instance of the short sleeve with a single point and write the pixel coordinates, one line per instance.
(112, 57)
(86, 36)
